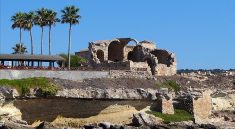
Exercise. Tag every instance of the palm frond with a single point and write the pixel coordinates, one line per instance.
(70, 14)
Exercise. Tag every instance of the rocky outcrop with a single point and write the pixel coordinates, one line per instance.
(7, 92)
(13, 123)
(88, 93)
(143, 119)
(225, 102)
(8, 110)
(109, 93)
(106, 125)
(46, 125)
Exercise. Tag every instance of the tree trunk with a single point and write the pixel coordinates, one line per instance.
(49, 40)
(41, 45)
(20, 39)
(50, 43)
(42, 41)
(70, 27)
(31, 38)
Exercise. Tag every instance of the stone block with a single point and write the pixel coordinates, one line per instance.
(202, 107)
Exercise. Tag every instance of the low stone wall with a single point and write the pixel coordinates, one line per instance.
(139, 66)
(74, 75)
(69, 75)
(109, 65)
(130, 74)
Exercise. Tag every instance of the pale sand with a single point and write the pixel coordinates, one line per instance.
(115, 114)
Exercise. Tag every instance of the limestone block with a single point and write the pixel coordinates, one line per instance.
(167, 106)
(164, 104)
(202, 107)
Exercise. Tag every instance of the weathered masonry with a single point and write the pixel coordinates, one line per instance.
(117, 54)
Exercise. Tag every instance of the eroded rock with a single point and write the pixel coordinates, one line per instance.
(143, 119)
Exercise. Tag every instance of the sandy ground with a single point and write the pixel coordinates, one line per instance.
(115, 114)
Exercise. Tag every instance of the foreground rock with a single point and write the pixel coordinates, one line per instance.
(143, 119)
(140, 120)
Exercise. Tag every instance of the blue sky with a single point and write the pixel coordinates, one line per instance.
(200, 32)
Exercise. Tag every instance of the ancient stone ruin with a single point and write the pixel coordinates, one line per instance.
(117, 54)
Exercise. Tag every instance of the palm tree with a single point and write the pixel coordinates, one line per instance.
(51, 20)
(19, 48)
(28, 25)
(18, 22)
(40, 20)
(71, 16)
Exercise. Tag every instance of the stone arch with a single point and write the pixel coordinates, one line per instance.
(134, 40)
(115, 51)
(163, 56)
(118, 50)
(100, 55)
(128, 49)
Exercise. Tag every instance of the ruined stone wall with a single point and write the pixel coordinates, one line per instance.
(108, 65)
(150, 46)
(93, 49)
(139, 66)
(115, 54)
(130, 74)
(127, 65)
(164, 70)
(127, 49)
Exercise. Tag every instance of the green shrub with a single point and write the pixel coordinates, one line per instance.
(76, 61)
(180, 115)
(169, 84)
(23, 85)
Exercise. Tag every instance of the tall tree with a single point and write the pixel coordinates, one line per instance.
(18, 22)
(28, 25)
(51, 20)
(70, 15)
(40, 20)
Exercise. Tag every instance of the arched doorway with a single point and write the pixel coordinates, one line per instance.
(100, 55)
(130, 55)
(115, 51)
